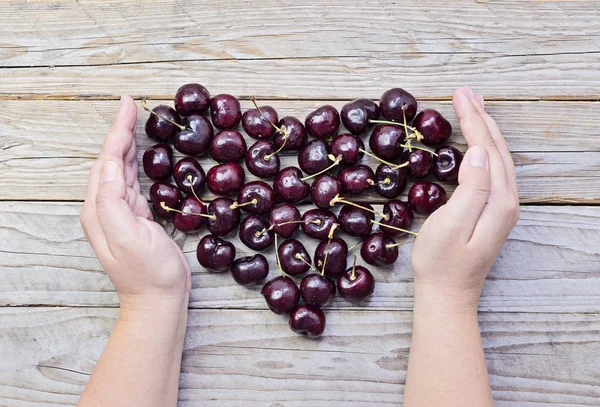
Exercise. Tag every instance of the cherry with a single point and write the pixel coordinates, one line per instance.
(197, 140)
(394, 101)
(386, 141)
(357, 179)
(330, 256)
(324, 189)
(192, 98)
(163, 195)
(323, 122)
(398, 215)
(228, 146)
(158, 162)
(425, 197)
(356, 284)
(356, 221)
(225, 111)
(281, 294)
(163, 122)
(434, 128)
(262, 159)
(318, 223)
(314, 156)
(225, 216)
(390, 181)
(215, 254)
(296, 134)
(420, 163)
(379, 250)
(250, 269)
(225, 179)
(317, 290)
(259, 122)
(285, 220)
(348, 146)
(307, 320)
(289, 187)
(188, 174)
(256, 197)
(447, 163)
(356, 115)
(255, 233)
(293, 257)
(188, 220)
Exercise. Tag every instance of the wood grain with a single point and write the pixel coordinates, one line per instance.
(535, 360)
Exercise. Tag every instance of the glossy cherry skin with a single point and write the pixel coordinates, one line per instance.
(167, 193)
(390, 182)
(192, 98)
(250, 270)
(385, 141)
(225, 111)
(227, 216)
(447, 164)
(391, 103)
(374, 250)
(281, 294)
(399, 215)
(183, 169)
(160, 129)
(261, 160)
(337, 258)
(355, 221)
(228, 146)
(348, 146)
(297, 135)
(358, 288)
(356, 179)
(215, 254)
(323, 189)
(355, 115)
(317, 290)
(258, 125)
(287, 251)
(225, 179)
(313, 157)
(254, 233)
(307, 320)
(425, 197)
(433, 126)
(420, 163)
(262, 192)
(323, 122)
(158, 162)
(289, 187)
(284, 213)
(190, 223)
(197, 140)
(317, 223)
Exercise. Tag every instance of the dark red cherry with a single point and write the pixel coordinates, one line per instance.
(184, 169)
(385, 141)
(289, 187)
(285, 220)
(447, 164)
(226, 216)
(281, 294)
(390, 182)
(433, 126)
(161, 192)
(355, 221)
(225, 111)
(225, 179)
(296, 138)
(323, 189)
(323, 122)
(261, 159)
(356, 115)
(348, 146)
(307, 320)
(289, 251)
(317, 290)
(215, 254)
(192, 98)
(399, 215)
(356, 179)
(158, 128)
(196, 140)
(255, 233)
(313, 157)
(317, 223)
(356, 284)
(391, 104)
(259, 125)
(186, 222)
(425, 197)
(337, 258)
(250, 269)
(420, 163)
(262, 192)
(158, 162)
(379, 250)
(228, 146)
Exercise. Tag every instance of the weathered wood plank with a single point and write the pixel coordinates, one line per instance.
(550, 263)
(535, 360)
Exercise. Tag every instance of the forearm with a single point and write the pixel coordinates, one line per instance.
(447, 365)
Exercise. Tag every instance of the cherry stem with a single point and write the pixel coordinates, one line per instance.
(389, 164)
(277, 257)
(336, 161)
(410, 146)
(395, 228)
(353, 275)
(236, 205)
(190, 178)
(169, 209)
(416, 134)
(326, 255)
(279, 129)
(285, 139)
(179, 126)
(303, 260)
(332, 230)
(390, 245)
(354, 246)
(337, 199)
(291, 222)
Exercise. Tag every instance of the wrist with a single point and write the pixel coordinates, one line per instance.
(446, 300)
(150, 307)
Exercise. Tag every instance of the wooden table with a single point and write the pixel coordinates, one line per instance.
(63, 65)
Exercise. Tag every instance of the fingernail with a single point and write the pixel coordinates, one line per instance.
(478, 157)
(480, 98)
(109, 171)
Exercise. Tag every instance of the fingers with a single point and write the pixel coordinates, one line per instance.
(120, 138)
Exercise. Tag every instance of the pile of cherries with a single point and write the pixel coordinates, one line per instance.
(331, 162)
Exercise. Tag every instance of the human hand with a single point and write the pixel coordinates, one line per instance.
(459, 242)
(146, 267)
